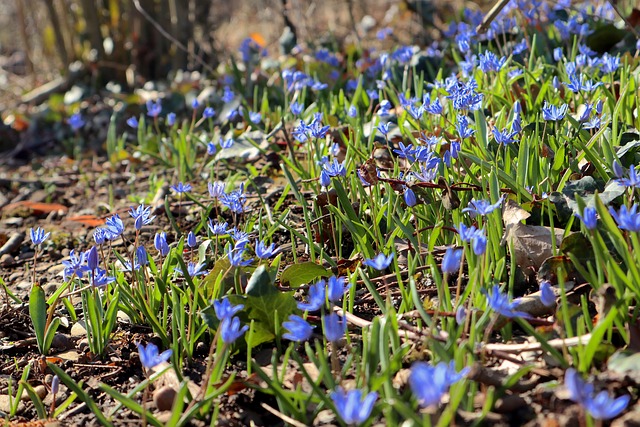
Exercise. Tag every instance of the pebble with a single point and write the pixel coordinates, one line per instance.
(16, 275)
(40, 390)
(25, 285)
(164, 397)
(79, 329)
(26, 255)
(7, 260)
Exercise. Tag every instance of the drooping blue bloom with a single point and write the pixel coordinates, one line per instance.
(552, 113)
(589, 218)
(149, 356)
(334, 168)
(352, 406)
(92, 258)
(193, 269)
(154, 108)
(100, 235)
(299, 329)
(383, 33)
(216, 189)
(336, 288)
(133, 122)
(235, 257)
(255, 117)
(296, 108)
(461, 314)
(38, 236)
(482, 207)
(114, 226)
(503, 137)
(235, 200)
(334, 327)
(160, 243)
(218, 228)
(227, 95)
(192, 242)
(55, 385)
(195, 104)
(451, 260)
(609, 63)
(141, 256)
(499, 303)
(633, 181)
(547, 296)
(76, 122)
(231, 330)
(126, 266)
(379, 262)
(208, 113)
(100, 278)
(557, 54)
(479, 243)
(315, 297)
(181, 188)
(618, 170)
(352, 112)
(75, 265)
(263, 251)
(462, 126)
(601, 406)
(430, 383)
(427, 174)
(627, 219)
(141, 215)
(224, 309)
(171, 119)
(325, 178)
(410, 197)
(211, 148)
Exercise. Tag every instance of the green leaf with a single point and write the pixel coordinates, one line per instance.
(37, 402)
(297, 275)
(38, 313)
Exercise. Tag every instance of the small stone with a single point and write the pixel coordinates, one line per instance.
(61, 342)
(50, 288)
(25, 285)
(83, 345)
(79, 329)
(164, 397)
(123, 317)
(5, 405)
(7, 260)
(15, 276)
(26, 255)
(40, 390)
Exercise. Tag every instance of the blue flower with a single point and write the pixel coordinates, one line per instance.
(451, 260)
(133, 122)
(208, 113)
(75, 265)
(466, 233)
(218, 228)
(315, 297)
(482, 207)
(235, 200)
(100, 278)
(296, 108)
(216, 189)
(100, 235)
(461, 314)
(547, 296)
(334, 327)
(352, 112)
(430, 383)
(479, 243)
(38, 236)
(224, 309)
(504, 137)
(627, 219)
(154, 108)
(410, 197)
(149, 356)
(335, 168)
(141, 215)
(181, 188)
(336, 288)
(171, 119)
(601, 406)
(191, 240)
(193, 269)
(499, 303)
(76, 122)
(352, 407)
(231, 330)
(255, 117)
(115, 227)
(405, 152)
(92, 258)
(553, 113)
(235, 257)
(263, 251)
(228, 94)
(299, 329)
(160, 243)
(632, 181)
(195, 104)
(589, 218)
(463, 127)
(379, 262)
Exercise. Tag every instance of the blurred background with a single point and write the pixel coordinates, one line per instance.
(122, 40)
